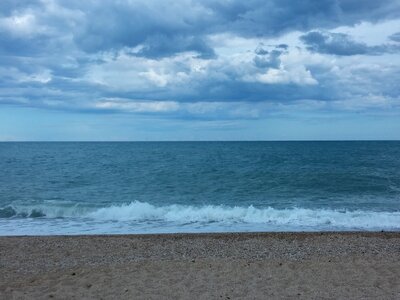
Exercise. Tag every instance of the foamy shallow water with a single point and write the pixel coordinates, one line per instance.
(139, 217)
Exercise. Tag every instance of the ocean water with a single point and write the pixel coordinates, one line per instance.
(157, 187)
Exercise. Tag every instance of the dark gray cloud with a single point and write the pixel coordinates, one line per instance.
(260, 50)
(161, 46)
(395, 37)
(271, 18)
(169, 27)
(342, 44)
(64, 53)
(265, 59)
(166, 28)
(9, 6)
(282, 46)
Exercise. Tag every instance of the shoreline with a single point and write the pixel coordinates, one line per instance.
(278, 234)
(252, 265)
(217, 233)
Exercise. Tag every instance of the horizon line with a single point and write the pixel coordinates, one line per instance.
(192, 141)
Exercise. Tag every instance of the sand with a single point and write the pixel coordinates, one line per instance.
(202, 266)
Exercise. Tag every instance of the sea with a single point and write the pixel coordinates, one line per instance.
(70, 188)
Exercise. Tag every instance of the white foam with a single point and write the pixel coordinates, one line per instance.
(139, 212)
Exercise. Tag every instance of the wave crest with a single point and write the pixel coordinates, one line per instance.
(184, 214)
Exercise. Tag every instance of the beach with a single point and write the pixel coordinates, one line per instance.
(356, 265)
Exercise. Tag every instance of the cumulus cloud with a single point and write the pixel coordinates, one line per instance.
(190, 57)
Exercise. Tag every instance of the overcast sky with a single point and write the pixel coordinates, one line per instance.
(199, 70)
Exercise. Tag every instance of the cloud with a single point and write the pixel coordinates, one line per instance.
(137, 106)
(272, 18)
(265, 59)
(157, 47)
(168, 27)
(298, 76)
(192, 58)
(395, 37)
(342, 44)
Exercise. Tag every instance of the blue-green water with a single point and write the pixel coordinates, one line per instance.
(80, 188)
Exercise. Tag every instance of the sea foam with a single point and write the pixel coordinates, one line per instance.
(215, 214)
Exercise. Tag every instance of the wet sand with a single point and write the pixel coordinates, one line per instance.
(202, 266)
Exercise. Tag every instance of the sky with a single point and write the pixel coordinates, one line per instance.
(124, 70)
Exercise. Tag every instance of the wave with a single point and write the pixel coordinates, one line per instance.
(186, 214)
(44, 211)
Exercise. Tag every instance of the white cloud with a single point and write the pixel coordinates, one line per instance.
(41, 76)
(137, 105)
(159, 80)
(21, 24)
(298, 75)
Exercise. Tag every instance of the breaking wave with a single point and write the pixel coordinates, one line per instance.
(228, 215)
